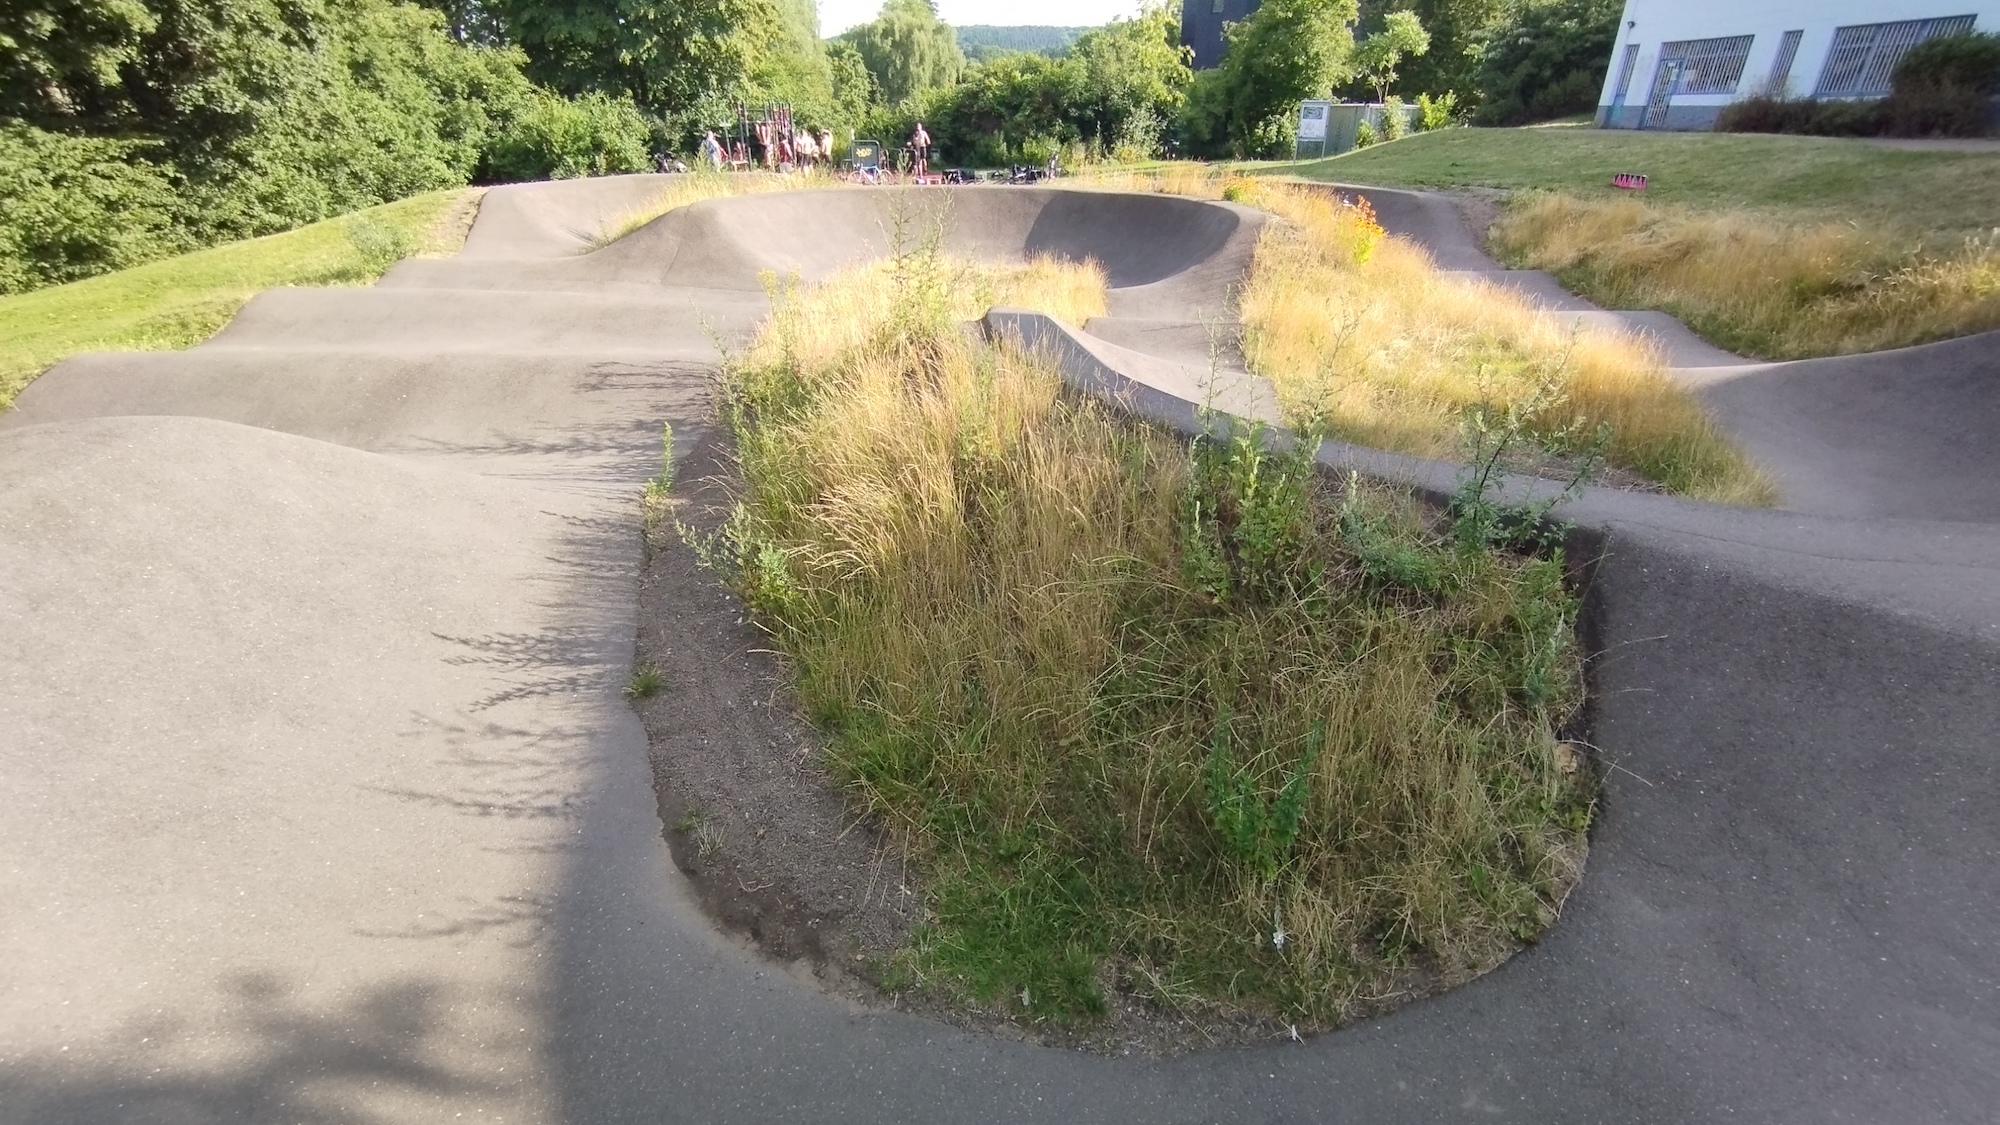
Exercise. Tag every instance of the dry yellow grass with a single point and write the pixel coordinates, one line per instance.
(1364, 337)
(695, 186)
(817, 325)
(1366, 334)
(1203, 181)
(1759, 285)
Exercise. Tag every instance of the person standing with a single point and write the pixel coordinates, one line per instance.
(826, 144)
(711, 150)
(920, 147)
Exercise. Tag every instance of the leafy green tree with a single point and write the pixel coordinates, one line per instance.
(786, 61)
(60, 59)
(472, 22)
(1285, 52)
(563, 138)
(908, 49)
(1376, 57)
(1112, 90)
(668, 56)
(78, 206)
(1016, 107)
(1458, 31)
(1546, 59)
(854, 89)
(1134, 75)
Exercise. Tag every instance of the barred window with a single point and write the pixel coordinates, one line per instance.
(1781, 67)
(1863, 58)
(1625, 71)
(1708, 66)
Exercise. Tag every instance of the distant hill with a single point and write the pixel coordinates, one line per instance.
(982, 41)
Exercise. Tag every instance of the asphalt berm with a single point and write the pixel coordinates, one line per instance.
(326, 804)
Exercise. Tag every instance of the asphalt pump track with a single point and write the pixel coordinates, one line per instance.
(323, 803)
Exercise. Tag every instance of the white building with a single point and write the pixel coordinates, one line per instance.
(1678, 62)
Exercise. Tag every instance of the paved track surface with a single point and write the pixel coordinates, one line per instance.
(324, 805)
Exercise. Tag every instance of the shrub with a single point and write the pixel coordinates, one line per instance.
(78, 206)
(1395, 118)
(1364, 135)
(1546, 59)
(1766, 113)
(1969, 60)
(1436, 113)
(1936, 111)
(558, 138)
(1945, 87)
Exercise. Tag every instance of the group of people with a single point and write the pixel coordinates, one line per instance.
(774, 146)
(771, 147)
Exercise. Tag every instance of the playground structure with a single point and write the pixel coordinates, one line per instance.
(326, 801)
(768, 138)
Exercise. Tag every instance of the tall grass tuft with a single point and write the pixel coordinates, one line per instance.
(705, 183)
(1757, 285)
(1364, 337)
(1191, 719)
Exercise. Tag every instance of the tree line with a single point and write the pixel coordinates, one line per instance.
(131, 129)
(1126, 89)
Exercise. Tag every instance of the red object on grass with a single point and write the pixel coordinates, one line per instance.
(1632, 180)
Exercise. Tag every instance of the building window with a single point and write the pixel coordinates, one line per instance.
(1708, 66)
(1625, 73)
(1863, 59)
(1781, 67)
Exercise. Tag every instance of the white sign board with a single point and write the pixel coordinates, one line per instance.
(1312, 121)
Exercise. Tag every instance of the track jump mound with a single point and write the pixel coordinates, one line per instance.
(329, 804)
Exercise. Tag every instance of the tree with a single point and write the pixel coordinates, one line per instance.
(1285, 52)
(473, 22)
(854, 89)
(1458, 31)
(1546, 59)
(908, 49)
(1134, 76)
(787, 63)
(60, 59)
(1402, 36)
(668, 56)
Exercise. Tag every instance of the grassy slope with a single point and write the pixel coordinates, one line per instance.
(1808, 177)
(182, 301)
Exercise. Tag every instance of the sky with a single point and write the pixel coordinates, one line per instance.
(836, 16)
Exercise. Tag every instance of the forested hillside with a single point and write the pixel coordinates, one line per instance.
(982, 41)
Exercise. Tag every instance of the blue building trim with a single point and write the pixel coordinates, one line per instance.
(1680, 118)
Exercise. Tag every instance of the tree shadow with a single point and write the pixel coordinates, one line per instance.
(293, 1062)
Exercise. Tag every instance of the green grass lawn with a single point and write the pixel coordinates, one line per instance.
(1805, 177)
(181, 301)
